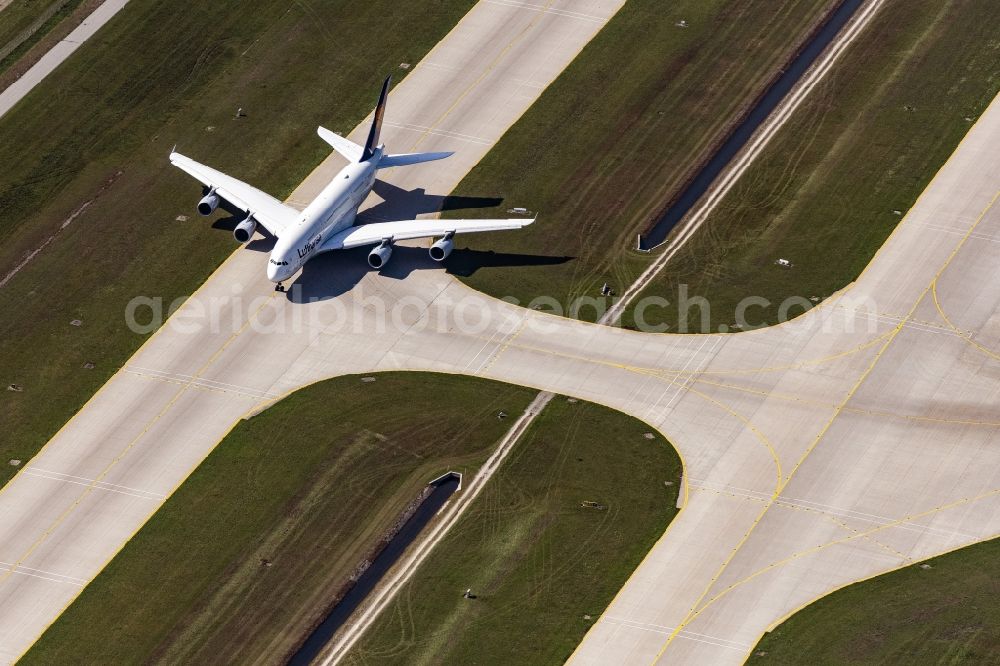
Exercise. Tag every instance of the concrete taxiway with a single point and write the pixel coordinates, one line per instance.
(850, 441)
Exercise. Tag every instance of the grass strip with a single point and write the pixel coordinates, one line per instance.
(14, 47)
(20, 17)
(618, 135)
(943, 611)
(835, 181)
(541, 564)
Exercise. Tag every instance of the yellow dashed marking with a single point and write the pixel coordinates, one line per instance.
(694, 611)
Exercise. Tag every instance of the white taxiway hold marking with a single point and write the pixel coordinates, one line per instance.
(97, 485)
(548, 10)
(428, 130)
(200, 381)
(690, 635)
(958, 232)
(831, 510)
(437, 65)
(22, 570)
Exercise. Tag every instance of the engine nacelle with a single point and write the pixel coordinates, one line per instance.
(378, 257)
(209, 203)
(442, 248)
(244, 230)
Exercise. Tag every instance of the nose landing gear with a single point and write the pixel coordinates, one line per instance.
(279, 287)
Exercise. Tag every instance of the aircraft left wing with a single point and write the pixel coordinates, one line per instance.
(376, 232)
(268, 211)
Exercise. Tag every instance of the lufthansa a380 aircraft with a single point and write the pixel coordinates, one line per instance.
(328, 222)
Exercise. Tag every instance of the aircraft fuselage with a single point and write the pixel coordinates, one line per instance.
(332, 211)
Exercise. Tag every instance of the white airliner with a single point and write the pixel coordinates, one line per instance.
(328, 222)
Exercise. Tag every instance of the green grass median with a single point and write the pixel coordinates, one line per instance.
(617, 135)
(24, 23)
(851, 161)
(553, 537)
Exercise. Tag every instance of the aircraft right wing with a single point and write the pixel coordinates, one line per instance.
(271, 213)
(376, 232)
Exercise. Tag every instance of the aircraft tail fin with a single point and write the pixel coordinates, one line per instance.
(373, 134)
(407, 159)
(351, 151)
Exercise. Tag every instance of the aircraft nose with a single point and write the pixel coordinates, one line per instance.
(272, 273)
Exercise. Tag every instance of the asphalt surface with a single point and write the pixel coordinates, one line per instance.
(854, 440)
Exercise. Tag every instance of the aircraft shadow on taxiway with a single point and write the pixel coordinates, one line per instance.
(334, 273)
(400, 204)
(263, 243)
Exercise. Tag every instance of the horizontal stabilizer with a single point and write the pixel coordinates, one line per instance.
(410, 158)
(351, 151)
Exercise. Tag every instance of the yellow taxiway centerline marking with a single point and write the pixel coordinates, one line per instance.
(962, 334)
(694, 611)
(858, 535)
(851, 410)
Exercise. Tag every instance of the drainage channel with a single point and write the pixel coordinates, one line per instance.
(440, 490)
(657, 232)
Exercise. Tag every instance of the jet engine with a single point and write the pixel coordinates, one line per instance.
(442, 248)
(378, 257)
(244, 230)
(209, 203)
